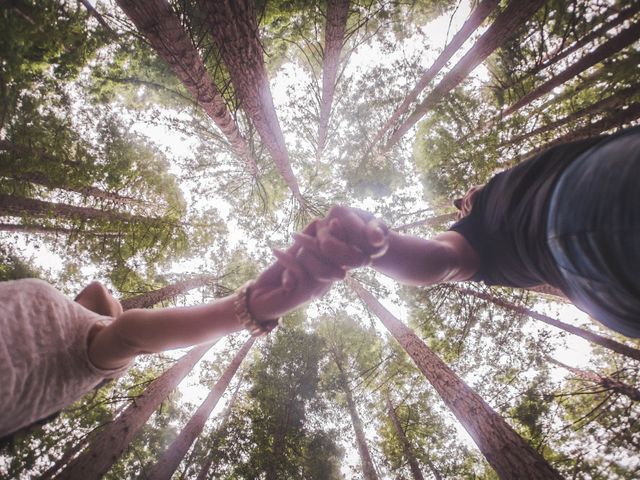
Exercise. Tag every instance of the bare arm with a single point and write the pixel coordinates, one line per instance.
(447, 257)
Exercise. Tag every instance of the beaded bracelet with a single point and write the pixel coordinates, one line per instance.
(241, 308)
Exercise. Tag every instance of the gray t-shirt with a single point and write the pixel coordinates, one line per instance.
(44, 363)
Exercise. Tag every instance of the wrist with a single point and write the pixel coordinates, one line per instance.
(246, 317)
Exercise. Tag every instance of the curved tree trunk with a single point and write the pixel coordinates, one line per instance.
(503, 28)
(149, 299)
(156, 21)
(234, 28)
(482, 11)
(404, 441)
(173, 455)
(337, 14)
(109, 443)
(506, 451)
(607, 49)
(607, 383)
(594, 338)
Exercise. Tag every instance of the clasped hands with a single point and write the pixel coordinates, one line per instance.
(322, 253)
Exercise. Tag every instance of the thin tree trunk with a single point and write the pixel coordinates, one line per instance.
(14, 227)
(506, 451)
(91, 9)
(503, 28)
(620, 118)
(42, 179)
(234, 28)
(404, 441)
(157, 22)
(617, 100)
(607, 383)
(149, 299)
(368, 470)
(66, 457)
(110, 442)
(173, 455)
(607, 49)
(337, 14)
(549, 290)
(206, 467)
(555, 57)
(594, 338)
(428, 222)
(15, 206)
(482, 11)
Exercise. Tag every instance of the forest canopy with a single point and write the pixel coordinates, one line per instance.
(165, 147)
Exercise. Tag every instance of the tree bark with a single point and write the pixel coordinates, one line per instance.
(337, 14)
(428, 222)
(607, 383)
(149, 299)
(404, 441)
(109, 443)
(368, 470)
(173, 455)
(15, 206)
(607, 49)
(506, 451)
(482, 11)
(234, 28)
(503, 28)
(594, 338)
(157, 22)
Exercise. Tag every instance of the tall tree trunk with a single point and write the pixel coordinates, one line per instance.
(594, 338)
(620, 118)
(555, 57)
(38, 178)
(206, 466)
(234, 28)
(607, 383)
(368, 470)
(15, 227)
(110, 442)
(506, 451)
(615, 101)
(482, 11)
(337, 14)
(404, 441)
(503, 28)
(149, 299)
(15, 206)
(428, 222)
(607, 49)
(66, 457)
(158, 23)
(173, 455)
